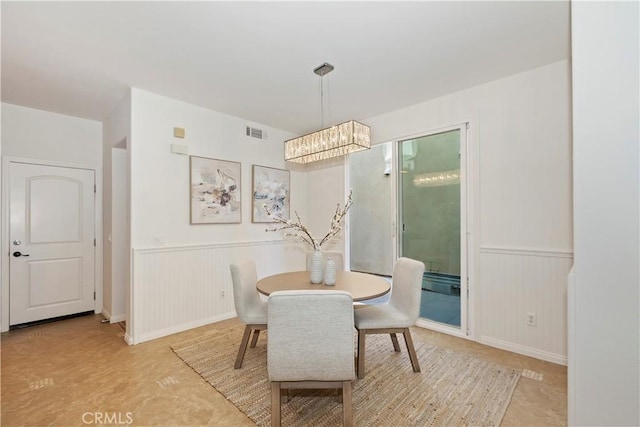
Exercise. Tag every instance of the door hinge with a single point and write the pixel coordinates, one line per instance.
(94, 242)
(95, 190)
(94, 295)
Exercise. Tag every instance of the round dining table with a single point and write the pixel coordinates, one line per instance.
(361, 286)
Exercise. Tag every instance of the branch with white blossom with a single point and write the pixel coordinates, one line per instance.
(337, 219)
(300, 231)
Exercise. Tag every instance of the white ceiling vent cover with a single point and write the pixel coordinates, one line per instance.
(255, 133)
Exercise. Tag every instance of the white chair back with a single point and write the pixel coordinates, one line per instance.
(251, 310)
(249, 307)
(407, 287)
(311, 336)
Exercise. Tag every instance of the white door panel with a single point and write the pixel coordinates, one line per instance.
(52, 230)
(54, 281)
(55, 216)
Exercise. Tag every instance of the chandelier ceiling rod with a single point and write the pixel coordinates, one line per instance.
(322, 70)
(334, 141)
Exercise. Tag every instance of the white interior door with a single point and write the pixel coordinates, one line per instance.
(51, 233)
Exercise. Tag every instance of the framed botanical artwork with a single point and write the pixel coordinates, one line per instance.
(270, 189)
(215, 191)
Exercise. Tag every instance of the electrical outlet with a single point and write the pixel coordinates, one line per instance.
(222, 294)
(532, 319)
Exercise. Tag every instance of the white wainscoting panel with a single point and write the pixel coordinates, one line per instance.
(179, 288)
(515, 282)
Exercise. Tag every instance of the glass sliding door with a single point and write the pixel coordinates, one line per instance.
(431, 220)
(371, 217)
(410, 200)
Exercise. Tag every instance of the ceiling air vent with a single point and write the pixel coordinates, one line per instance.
(255, 133)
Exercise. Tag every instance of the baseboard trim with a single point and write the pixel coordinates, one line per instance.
(526, 351)
(181, 328)
(111, 318)
(118, 318)
(442, 328)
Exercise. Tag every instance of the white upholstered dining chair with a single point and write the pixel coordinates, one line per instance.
(397, 316)
(294, 361)
(251, 310)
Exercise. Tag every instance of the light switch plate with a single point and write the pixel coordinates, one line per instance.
(179, 149)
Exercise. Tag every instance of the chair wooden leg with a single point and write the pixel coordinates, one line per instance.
(412, 351)
(275, 404)
(243, 347)
(394, 340)
(254, 341)
(347, 404)
(361, 345)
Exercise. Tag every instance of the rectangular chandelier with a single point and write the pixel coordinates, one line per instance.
(334, 141)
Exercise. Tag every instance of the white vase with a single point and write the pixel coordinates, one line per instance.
(330, 272)
(315, 274)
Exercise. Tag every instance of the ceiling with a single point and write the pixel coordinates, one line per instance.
(255, 60)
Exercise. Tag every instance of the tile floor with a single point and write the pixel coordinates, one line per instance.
(80, 372)
(441, 308)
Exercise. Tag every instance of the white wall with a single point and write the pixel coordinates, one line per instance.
(160, 198)
(520, 142)
(604, 368)
(117, 255)
(50, 137)
(160, 179)
(521, 127)
(120, 232)
(372, 190)
(41, 135)
(325, 191)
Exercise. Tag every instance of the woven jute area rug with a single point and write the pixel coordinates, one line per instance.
(453, 389)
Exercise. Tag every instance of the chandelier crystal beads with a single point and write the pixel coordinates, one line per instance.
(338, 140)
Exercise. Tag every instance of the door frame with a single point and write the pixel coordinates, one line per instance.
(470, 153)
(465, 231)
(5, 244)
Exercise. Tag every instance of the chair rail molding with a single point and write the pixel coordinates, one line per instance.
(517, 282)
(183, 287)
(558, 253)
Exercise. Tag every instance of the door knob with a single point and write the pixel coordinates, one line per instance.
(17, 242)
(17, 254)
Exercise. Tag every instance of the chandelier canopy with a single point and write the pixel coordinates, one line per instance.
(334, 141)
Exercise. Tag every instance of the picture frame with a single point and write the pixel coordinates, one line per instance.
(215, 191)
(270, 187)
